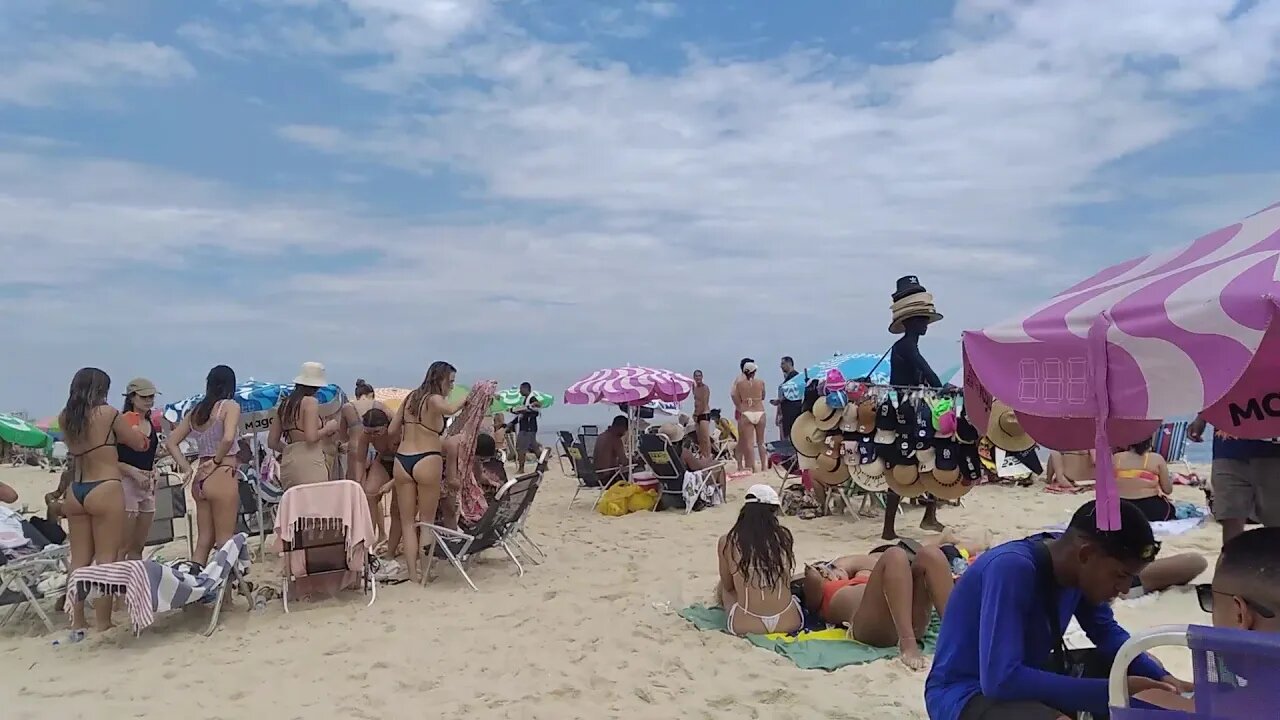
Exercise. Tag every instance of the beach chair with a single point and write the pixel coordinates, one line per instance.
(587, 435)
(565, 440)
(20, 580)
(171, 506)
(1237, 673)
(664, 461)
(501, 524)
(151, 588)
(324, 530)
(589, 478)
(1170, 441)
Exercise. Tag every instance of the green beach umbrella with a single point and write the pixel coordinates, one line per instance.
(19, 432)
(510, 398)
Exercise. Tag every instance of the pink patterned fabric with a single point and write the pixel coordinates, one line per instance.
(629, 385)
(1182, 331)
(466, 425)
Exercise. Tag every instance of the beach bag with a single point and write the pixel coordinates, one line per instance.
(642, 500)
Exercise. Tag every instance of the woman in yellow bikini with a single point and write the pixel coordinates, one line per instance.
(748, 401)
(1142, 478)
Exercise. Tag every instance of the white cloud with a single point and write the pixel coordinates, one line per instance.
(43, 73)
(662, 10)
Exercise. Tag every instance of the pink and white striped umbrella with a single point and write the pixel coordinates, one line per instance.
(1187, 330)
(629, 385)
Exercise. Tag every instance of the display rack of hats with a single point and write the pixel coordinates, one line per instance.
(912, 440)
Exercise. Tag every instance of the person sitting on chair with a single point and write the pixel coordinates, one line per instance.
(693, 462)
(1244, 594)
(491, 474)
(611, 447)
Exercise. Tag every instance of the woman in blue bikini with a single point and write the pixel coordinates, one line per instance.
(95, 503)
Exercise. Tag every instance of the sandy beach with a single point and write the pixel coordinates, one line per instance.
(591, 633)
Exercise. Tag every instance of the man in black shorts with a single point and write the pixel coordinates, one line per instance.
(526, 425)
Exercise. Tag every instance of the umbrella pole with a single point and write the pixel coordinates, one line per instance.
(262, 533)
(633, 419)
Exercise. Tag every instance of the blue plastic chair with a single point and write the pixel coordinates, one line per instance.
(1237, 673)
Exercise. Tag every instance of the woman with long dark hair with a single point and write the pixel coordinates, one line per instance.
(137, 469)
(748, 402)
(378, 448)
(214, 425)
(756, 562)
(419, 467)
(298, 435)
(95, 502)
(1142, 478)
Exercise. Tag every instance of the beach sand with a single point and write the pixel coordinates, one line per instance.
(591, 633)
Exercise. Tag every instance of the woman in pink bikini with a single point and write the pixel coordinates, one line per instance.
(748, 401)
(214, 426)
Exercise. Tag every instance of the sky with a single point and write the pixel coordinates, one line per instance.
(536, 189)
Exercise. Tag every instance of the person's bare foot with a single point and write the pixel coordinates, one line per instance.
(932, 525)
(911, 655)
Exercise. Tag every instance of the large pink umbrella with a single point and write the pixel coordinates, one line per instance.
(630, 385)
(1183, 331)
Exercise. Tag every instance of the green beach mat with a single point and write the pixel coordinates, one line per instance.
(810, 650)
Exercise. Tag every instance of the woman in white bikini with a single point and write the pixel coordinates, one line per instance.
(95, 503)
(748, 401)
(214, 425)
(756, 562)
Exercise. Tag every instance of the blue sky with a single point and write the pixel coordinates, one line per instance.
(533, 189)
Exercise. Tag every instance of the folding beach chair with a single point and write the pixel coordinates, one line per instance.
(1237, 673)
(587, 435)
(317, 539)
(151, 588)
(20, 579)
(664, 461)
(589, 478)
(1170, 441)
(254, 516)
(501, 524)
(171, 506)
(565, 441)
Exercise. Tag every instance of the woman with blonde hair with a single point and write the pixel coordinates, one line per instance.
(95, 502)
(299, 435)
(214, 425)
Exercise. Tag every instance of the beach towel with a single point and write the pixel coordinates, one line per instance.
(825, 649)
(1161, 528)
(466, 425)
(151, 588)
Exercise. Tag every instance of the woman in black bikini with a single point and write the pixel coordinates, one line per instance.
(374, 474)
(419, 467)
(95, 503)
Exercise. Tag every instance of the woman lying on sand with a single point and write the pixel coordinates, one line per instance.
(378, 449)
(756, 561)
(886, 597)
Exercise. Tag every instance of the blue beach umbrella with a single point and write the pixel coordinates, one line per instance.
(851, 365)
(258, 401)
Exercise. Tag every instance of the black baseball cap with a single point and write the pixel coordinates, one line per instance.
(1133, 542)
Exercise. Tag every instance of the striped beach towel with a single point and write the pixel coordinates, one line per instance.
(150, 588)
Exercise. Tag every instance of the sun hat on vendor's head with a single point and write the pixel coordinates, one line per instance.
(911, 300)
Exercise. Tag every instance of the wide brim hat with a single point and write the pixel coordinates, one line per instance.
(917, 305)
(1005, 432)
(829, 469)
(808, 439)
(870, 483)
(312, 375)
(825, 417)
(945, 487)
(905, 480)
(672, 432)
(849, 418)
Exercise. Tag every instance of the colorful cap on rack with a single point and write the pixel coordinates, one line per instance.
(939, 407)
(946, 424)
(970, 464)
(946, 456)
(965, 431)
(867, 415)
(905, 448)
(835, 380)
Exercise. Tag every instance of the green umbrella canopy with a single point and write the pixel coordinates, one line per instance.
(510, 398)
(17, 431)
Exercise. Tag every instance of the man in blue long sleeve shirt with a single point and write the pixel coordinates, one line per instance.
(999, 651)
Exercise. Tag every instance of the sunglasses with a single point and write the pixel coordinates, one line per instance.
(1205, 593)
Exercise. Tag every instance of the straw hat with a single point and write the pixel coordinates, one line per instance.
(830, 469)
(672, 432)
(909, 308)
(950, 488)
(868, 469)
(808, 439)
(312, 375)
(849, 418)
(825, 417)
(905, 481)
(1005, 432)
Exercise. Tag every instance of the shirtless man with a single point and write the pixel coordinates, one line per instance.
(748, 401)
(702, 413)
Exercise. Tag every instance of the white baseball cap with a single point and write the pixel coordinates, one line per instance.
(763, 494)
